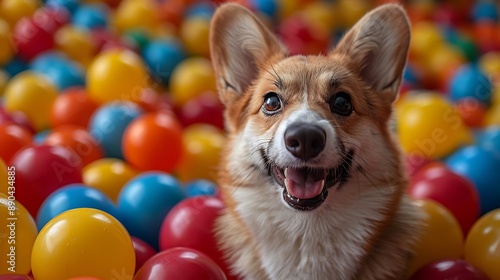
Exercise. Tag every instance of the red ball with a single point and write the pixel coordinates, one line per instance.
(302, 38)
(449, 269)
(15, 277)
(13, 137)
(16, 117)
(180, 264)
(73, 107)
(40, 170)
(414, 162)
(51, 18)
(204, 109)
(191, 224)
(31, 39)
(143, 252)
(436, 182)
(153, 141)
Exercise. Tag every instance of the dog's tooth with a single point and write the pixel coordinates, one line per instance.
(286, 172)
(286, 183)
(322, 183)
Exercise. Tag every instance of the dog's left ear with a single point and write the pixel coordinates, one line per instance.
(377, 47)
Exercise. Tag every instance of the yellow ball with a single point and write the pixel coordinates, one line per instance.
(13, 10)
(492, 117)
(6, 43)
(32, 94)
(4, 79)
(190, 78)
(490, 64)
(116, 75)
(194, 34)
(18, 235)
(425, 37)
(428, 125)
(482, 247)
(85, 242)
(321, 14)
(108, 175)
(136, 14)
(76, 43)
(202, 147)
(442, 57)
(350, 11)
(441, 239)
(288, 8)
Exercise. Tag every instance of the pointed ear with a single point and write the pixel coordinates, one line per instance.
(239, 44)
(378, 46)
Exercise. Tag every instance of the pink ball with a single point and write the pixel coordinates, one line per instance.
(31, 38)
(143, 252)
(449, 269)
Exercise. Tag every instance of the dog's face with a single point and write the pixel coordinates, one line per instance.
(309, 125)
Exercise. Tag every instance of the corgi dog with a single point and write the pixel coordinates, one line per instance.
(313, 180)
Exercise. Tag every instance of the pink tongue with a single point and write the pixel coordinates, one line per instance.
(304, 185)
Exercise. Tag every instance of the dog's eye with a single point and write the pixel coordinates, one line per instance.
(340, 104)
(272, 103)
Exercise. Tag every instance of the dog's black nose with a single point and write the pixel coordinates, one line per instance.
(305, 141)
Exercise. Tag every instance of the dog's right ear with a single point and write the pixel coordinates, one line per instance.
(240, 44)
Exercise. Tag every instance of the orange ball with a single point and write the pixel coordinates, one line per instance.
(153, 142)
(73, 107)
(77, 139)
(471, 111)
(12, 138)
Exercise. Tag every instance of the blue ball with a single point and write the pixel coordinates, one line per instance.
(144, 202)
(266, 7)
(202, 9)
(482, 167)
(45, 61)
(470, 82)
(485, 10)
(39, 138)
(161, 57)
(91, 16)
(108, 124)
(490, 139)
(409, 75)
(200, 187)
(15, 66)
(70, 197)
(65, 75)
(70, 5)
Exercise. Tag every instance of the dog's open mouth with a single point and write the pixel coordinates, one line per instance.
(306, 188)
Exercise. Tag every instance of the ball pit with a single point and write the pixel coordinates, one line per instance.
(109, 114)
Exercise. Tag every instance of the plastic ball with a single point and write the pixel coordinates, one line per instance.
(153, 142)
(201, 9)
(39, 138)
(194, 33)
(115, 75)
(71, 197)
(492, 116)
(490, 64)
(15, 277)
(51, 18)
(426, 36)
(83, 241)
(48, 60)
(70, 5)
(489, 139)
(3, 176)
(145, 201)
(441, 238)
(66, 75)
(471, 82)
(485, 10)
(31, 39)
(202, 147)
(91, 16)
(40, 170)
(486, 34)
(181, 264)
(191, 224)
(4, 78)
(322, 14)
(78, 140)
(302, 37)
(201, 187)
(481, 245)
(152, 101)
(33, 95)
(108, 125)
(352, 11)
(143, 252)
(162, 56)
(442, 63)
(15, 66)
(6, 44)
(449, 269)
(13, 10)
(472, 111)
(136, 14)
(140, 38)
(436, 182)
(108, 175)
(429, 126)
(18, 235)
(480, 166)
(72, 107)
(76, 43)
(16, 117)
(414, 162)
(190, 78)
(12, 138)
(205, 108)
